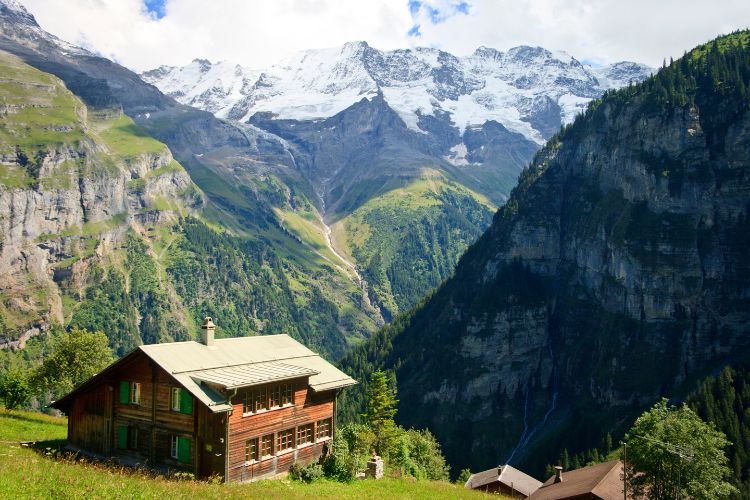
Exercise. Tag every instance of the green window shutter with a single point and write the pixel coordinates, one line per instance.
(183, 449)
(186, 402)
(124, 392)
(122, 436)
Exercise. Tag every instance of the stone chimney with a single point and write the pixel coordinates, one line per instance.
(499, 469)
(208, 331)
(558, 473)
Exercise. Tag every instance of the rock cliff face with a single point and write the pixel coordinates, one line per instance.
(71, 184)
(616, 273)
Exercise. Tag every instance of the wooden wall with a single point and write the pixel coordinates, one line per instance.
(89, 419)
(92, 429)
(309, 407)
(96, 415)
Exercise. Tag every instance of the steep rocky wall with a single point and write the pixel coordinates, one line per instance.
(616, 273)
(70, 187)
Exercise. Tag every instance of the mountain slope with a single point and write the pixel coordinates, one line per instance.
(361, 124)
(616, 272)
(73, 183)
(141, 276)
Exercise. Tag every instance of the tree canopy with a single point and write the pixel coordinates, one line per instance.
(672, 453)
(76, 356)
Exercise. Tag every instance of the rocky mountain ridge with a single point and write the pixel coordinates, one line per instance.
(529, 90)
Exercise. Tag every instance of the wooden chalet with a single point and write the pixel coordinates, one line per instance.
(597, 482)
(504, 479)
(240, 408)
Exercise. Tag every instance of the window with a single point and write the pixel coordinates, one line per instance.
(175, 399)
(251, 450)
(127, 437)
(275, 399)
(265, 398)
(181, 448)
(247, 403)
(286, 440)
(261, 399)
(287, 394)
(135, 393)
(304, 434)
(323, 429)
(181, 400)
(133, 438)
(266, 446)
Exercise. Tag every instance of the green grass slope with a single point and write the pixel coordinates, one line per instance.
(408, 238)
(40, 472)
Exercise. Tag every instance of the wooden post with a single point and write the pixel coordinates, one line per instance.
(152, 448)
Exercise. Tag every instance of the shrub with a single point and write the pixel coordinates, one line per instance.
(418, 454)
(14, 389)
(307, 474)
(351, 450)
(463, 476)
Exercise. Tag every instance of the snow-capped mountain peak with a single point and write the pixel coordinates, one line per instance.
(529, 90)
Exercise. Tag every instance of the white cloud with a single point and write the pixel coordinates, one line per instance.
(260, 32)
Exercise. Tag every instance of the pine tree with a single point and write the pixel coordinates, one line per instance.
(381, 409)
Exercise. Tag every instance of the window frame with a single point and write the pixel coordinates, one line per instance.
(132, 437)
(306, 432)
(135, 393)
(255, 442)
(271, 441)
(287, 436)
(287, 394)
(176, 398)
(247, 403)
(266, 398)
(174, 450)
(325, 423)
(274, 397)
(260, 399)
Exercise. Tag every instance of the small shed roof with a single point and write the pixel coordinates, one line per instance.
(509, 476)
(251, 374)
(601, 480)
(237, 362)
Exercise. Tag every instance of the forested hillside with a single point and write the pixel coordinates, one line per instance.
(724, 401)
(616, 273)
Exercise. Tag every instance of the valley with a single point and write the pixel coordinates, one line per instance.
(522, 250)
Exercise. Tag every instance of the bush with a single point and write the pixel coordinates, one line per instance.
(15, 389)
(418, 454)
(307, 474)
(463, 477)
(351, 450)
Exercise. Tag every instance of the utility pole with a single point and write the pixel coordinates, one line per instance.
(684, 452)
(625, 471)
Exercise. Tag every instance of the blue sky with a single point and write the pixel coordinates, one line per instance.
(155, 7)
(433, 13)
(143, 34)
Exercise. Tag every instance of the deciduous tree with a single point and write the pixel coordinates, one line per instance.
(76, 356)
(672, 453)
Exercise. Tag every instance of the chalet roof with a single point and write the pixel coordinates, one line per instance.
(601, 480)
(509, 476)
(251, 374)
(238, 362)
